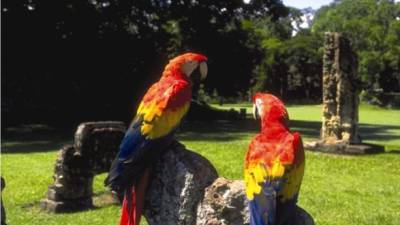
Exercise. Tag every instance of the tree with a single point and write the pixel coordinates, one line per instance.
(291, 65)
(303, 56)
(89, 59)
(373, 28)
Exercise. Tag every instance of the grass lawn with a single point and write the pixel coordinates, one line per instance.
(335, 190)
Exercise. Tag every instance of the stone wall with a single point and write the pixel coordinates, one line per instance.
(95, 146)
(340, 92)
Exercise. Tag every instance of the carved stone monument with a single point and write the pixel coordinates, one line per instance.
(339, 133)
(340, 91)
(95, 146)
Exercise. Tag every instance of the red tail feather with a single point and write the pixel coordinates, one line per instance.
(128, 215)
(132, 208)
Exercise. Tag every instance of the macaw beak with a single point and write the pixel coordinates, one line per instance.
(256, 116)
(203, 70)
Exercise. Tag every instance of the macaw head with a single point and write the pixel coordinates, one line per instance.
(269, 108)
(185, 64)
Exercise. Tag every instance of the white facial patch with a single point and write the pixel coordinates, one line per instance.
(188, 67)
(260, 107)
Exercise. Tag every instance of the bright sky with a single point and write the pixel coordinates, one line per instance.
(315, 4)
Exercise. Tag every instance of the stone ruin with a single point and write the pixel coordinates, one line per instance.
(340, 91)
(184, 187)
(340, 98)
(95, 146)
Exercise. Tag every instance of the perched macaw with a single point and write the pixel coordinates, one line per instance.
(158, 116)
(274, 164)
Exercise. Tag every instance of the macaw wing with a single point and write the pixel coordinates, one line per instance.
(273, 174)
(294, 171)
(263, 174)
(158, 115)
(265, 163)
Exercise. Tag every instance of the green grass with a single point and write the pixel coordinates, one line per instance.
(336, 189)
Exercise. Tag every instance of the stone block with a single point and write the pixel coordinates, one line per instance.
(95, 147)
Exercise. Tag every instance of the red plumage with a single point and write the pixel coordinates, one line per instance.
(151, 131)
(274, 164)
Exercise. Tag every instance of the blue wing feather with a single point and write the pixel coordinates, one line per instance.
(132, 140)
(266, 208)
(255, 213)
(263, 206)
(135, 153)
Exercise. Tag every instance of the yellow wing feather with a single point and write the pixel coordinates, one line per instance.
(258, 170)
(158, 119)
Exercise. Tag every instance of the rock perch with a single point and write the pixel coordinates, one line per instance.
(185, 190)
(225, 203)
(177, 187)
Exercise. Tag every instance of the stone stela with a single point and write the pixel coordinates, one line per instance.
(340, 91)
(341, 88)
(94, 149)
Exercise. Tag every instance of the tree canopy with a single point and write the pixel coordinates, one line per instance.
(292, 62)
(292, 57)
(373, 27)
(94, 59)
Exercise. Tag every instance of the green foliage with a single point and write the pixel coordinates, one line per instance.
(304, 60)
(291, 66)
(85, 58)
(373, 28)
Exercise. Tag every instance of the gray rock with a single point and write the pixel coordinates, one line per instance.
(225, 203)
(177, 186)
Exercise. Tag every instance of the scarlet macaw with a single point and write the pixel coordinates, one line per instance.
(159, 114)
(274, 164)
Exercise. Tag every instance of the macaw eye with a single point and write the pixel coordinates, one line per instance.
(258, 102)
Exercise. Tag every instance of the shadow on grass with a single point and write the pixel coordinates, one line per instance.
(100, 199)
(394, 152)
(378, 132)
(220, 130)
(230, 130)
(27, 141)
(17, 141)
